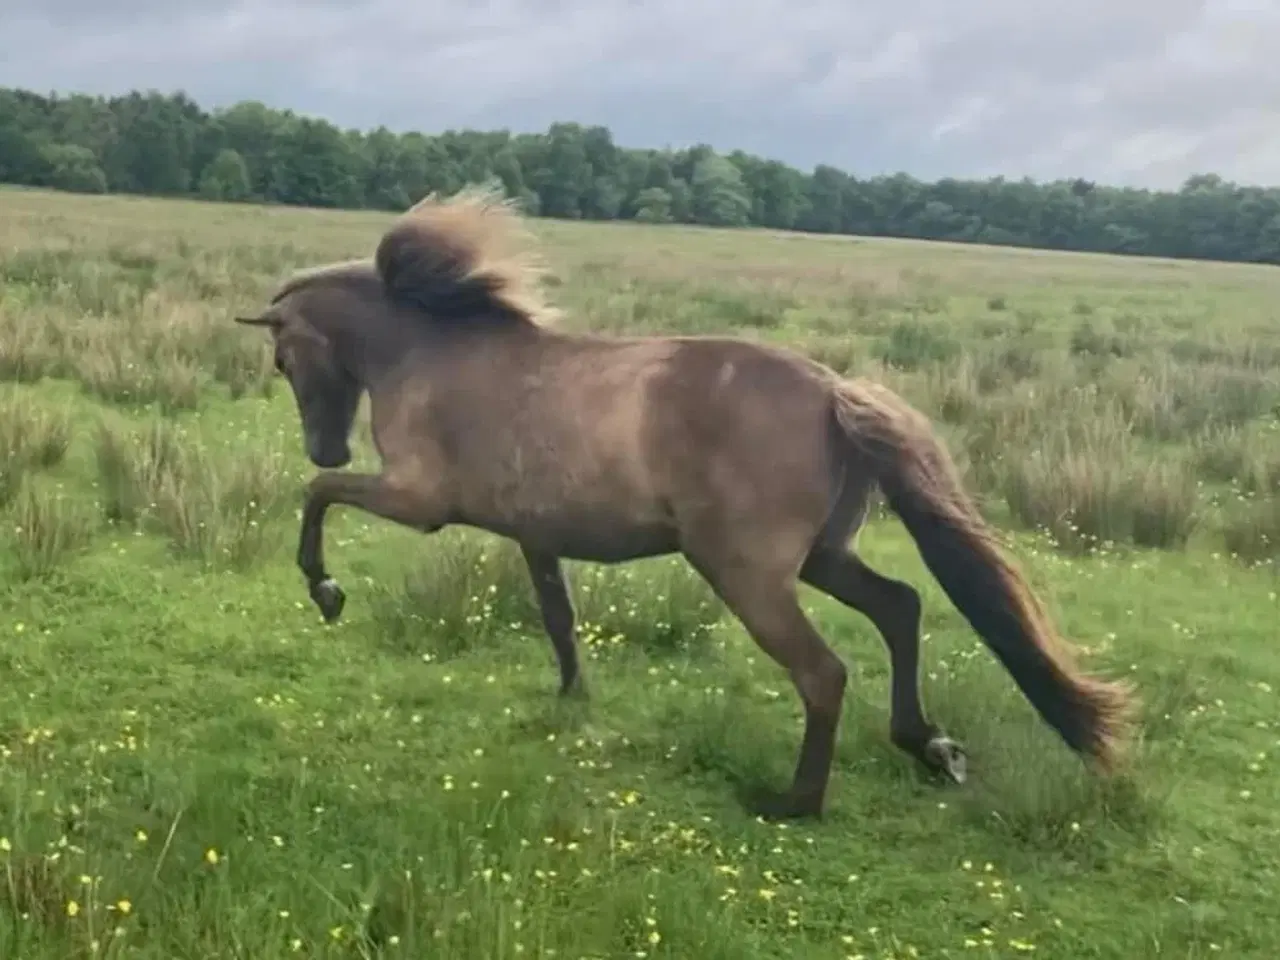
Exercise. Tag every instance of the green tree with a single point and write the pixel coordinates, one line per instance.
(681, 200)
(383, 185)
(314, 165)
(776, 190)
(720, 197)
(153, 148)
(249, 128)
(73, 168)
(225, 178)
(566, 177)
(653, 205)
(21, 160)
(506, 167)
(825, 196)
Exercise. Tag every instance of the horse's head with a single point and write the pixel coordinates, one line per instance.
(324, 386)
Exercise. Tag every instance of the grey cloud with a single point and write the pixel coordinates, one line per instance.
(1132, 91)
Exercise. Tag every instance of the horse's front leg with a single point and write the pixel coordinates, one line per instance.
(373, 493)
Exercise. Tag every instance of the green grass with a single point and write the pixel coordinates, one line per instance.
(193, 765)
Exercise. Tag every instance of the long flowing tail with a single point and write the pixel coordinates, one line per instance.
(923, 489)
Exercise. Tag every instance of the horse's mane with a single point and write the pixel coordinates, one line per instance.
(343, 270)
(455, 261)
(459, 260)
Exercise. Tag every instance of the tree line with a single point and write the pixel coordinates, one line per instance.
(167, 145)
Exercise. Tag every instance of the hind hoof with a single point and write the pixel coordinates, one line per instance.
(328, 596)
(944, 756)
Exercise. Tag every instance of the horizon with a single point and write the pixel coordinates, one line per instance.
(725, 151)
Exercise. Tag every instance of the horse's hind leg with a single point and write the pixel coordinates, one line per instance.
(766, 604)
(557, 615)
(894, 608)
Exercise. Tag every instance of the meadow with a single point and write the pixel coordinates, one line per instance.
(193, 765)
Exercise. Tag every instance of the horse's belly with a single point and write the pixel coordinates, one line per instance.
(581, 533)
(584, 501)
(613, 546)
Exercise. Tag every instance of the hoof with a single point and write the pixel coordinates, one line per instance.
(943, 755)
(328, 596)
(575, 689)
(774, 807)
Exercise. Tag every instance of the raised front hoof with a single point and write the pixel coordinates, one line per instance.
(946, 758)
(328, 596)
(775, 807)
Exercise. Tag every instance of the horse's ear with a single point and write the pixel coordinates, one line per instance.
(272, 322)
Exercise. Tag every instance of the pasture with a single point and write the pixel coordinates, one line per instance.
(193, 765)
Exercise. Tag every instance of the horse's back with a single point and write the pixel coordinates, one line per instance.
(594, 447)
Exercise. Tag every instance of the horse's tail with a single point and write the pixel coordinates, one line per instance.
(922, 487)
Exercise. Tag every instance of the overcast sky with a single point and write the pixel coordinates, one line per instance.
(1121, 91)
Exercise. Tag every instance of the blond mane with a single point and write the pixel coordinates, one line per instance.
(464, 259)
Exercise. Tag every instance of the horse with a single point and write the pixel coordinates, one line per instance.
(754, 462)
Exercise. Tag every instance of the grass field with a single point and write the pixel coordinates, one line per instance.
(193, 765)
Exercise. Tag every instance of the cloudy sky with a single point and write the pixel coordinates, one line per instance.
(1122, 91)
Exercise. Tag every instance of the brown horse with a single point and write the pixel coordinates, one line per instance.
(754, 462)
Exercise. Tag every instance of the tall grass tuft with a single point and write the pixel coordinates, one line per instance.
(13, 474)
(1085, 502)
(135, 465)
(48, 528)
(221, 511)
(912, 344)
(33, 436)
(33, 433)
(1085, 481)
(1251, 530)
(464, 590)
(28, 351)
(121, 375)
(1247, 459)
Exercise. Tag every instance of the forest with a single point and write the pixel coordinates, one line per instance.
(168, 145)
